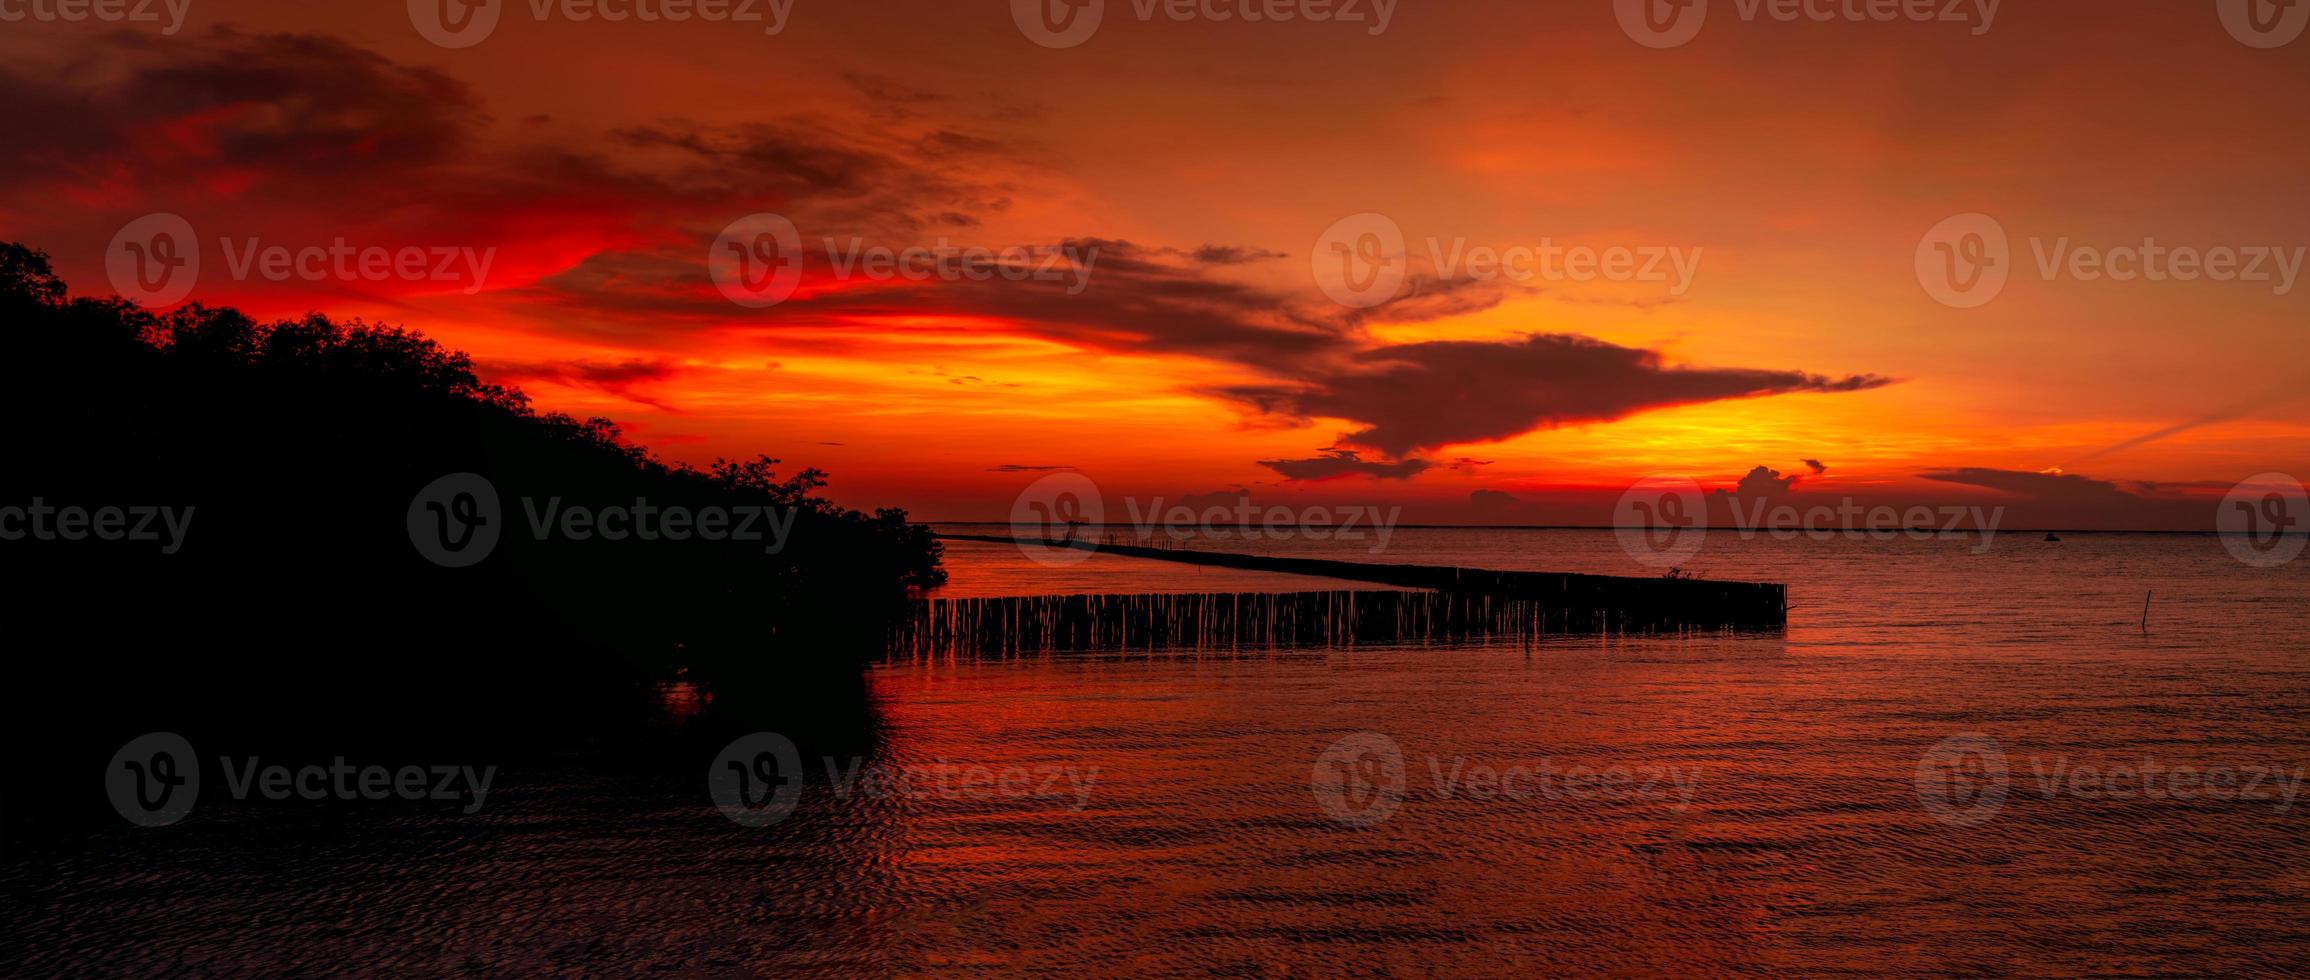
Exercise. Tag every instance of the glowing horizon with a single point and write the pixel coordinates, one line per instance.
(1186, 180)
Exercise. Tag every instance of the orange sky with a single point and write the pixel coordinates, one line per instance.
(1800, 162)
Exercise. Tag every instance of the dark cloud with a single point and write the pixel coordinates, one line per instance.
(2058, 499)
(344, 142)
(793, 162)
(1102, 294)
(944, 143)
(1761, 482)
(1337, 463)
(1024, 468)
(621, 378)
(1232, 255)
(1816, 466)
(1434, 299)
(602, 235)
(889, 93)
(1492, 504)
(288, 101)
(2056, 485)
(1420, 396)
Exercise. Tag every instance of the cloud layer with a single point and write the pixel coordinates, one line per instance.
(601, 235)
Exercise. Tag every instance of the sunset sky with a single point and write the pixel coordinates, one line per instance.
(1798, 164)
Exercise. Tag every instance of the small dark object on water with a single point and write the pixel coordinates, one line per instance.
(2050, 536)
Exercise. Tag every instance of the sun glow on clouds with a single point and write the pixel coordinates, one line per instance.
(1802, 172)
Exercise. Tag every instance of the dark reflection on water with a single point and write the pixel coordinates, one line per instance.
(1801, 838)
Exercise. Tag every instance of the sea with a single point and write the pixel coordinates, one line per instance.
(1964, 755)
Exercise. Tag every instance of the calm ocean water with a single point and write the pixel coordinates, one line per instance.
(1955, 760)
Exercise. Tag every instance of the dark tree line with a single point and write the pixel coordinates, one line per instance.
(297, 602)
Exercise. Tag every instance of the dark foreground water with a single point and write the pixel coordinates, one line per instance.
(1956, 760)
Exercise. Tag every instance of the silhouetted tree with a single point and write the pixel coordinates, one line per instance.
(298, 601)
